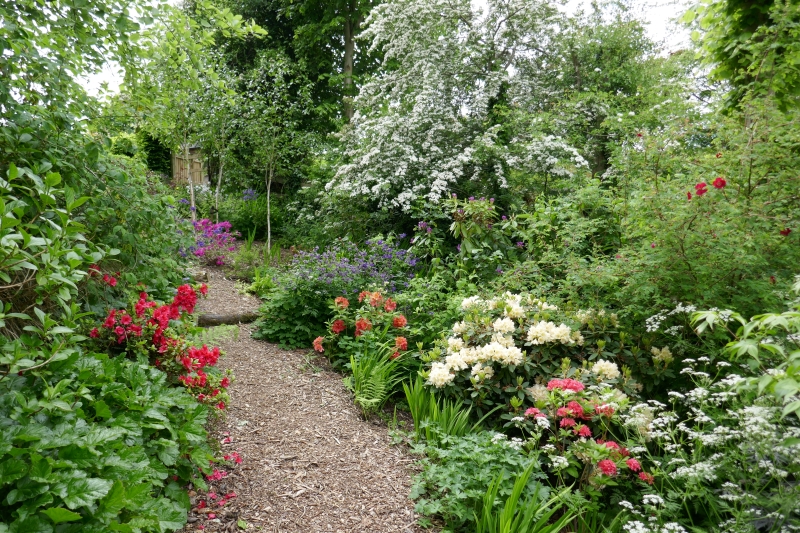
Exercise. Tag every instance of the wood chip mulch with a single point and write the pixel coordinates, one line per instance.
(310, 463)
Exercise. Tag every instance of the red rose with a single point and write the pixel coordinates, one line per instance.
(700, 188)
(719, 183)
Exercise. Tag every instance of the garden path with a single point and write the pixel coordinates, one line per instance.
(310, 463)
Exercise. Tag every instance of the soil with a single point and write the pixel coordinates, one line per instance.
(310, 463)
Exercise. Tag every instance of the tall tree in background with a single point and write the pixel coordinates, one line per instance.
(176, 72)
(320, 37)
(753, 45)
(278, 99)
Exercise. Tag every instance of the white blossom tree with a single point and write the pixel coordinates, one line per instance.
(427, 121)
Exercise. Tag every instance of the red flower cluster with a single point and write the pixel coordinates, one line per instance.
(362, 325)
(565, 384)
(318, 344)
(701, 188)
(399, 322)
(534, 412)
(390, 305)
(401, 343)
(341, 302)
(338, 326)
(785, 232)
(120, 324)
(608, 467)
(111, 280)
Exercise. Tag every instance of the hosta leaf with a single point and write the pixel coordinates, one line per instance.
(59, 514)
(80, 492)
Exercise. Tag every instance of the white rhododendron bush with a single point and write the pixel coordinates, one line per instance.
(506, 347)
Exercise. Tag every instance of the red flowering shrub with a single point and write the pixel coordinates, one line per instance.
(353, 329)
(157, 331)
(577, 428)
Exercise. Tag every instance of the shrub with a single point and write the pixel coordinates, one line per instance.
(507, 344)
(359, 330)
(297, 311)
(156, 333)
(455, 476)
(213, 241)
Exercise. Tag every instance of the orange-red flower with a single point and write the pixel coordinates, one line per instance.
(401, 343)
(362, 295)
(375, 299)
(390, 305)
(399, 321)
(318, 344)
(341, 302)
(338, 326)
(362, 325)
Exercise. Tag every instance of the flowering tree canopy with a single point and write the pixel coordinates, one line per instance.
(428, 121)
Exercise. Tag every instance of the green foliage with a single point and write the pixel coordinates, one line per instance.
(95, 441)
(433, 417)
(158, 157)
(374, 377)
(528, 516)
(455, 476)
(751, 45)
(291, 318)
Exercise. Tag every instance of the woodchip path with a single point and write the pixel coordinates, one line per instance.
(310, 463)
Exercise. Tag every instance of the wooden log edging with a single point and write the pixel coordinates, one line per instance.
(207, 320)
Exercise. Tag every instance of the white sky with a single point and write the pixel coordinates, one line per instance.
(659, 14)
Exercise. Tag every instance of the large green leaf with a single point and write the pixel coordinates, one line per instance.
(59, 514)
(82, 491)
(11, 470)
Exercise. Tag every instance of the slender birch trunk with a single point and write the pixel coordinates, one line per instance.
(219, 185)
(270, 171)
(192, 205)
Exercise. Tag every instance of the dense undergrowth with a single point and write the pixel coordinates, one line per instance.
(574, 263)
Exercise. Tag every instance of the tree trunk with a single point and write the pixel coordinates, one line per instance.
(192, 205)
(269, 188)
(351, 23)
(219, 185)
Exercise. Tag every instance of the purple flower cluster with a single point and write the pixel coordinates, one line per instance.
(344, 268)
(213, 241)
(249, 194)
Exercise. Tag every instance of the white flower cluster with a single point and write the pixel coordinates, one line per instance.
(663, 355)
(605, 370)
(544, 332)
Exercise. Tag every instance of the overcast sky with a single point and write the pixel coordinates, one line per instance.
(659, 14)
